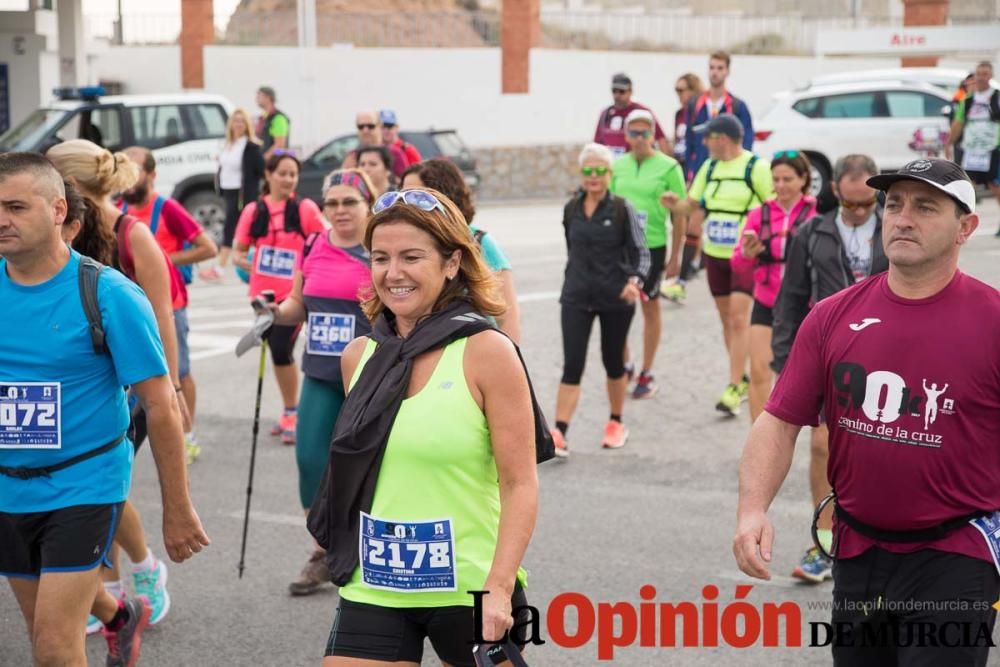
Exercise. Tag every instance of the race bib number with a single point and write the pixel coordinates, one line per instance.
(723, 232)
(407, 557)
(616, 151)
(329, 333)
(30, 415)
(979, 140)
(276, 262)
(989, 528)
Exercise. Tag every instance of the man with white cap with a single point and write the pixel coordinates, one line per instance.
(905, 368)
(642, 176)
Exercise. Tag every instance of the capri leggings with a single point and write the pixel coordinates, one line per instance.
(319, 405)
(576, 325)
(281, 341)
(232, 199)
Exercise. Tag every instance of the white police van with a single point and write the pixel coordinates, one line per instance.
(184, 131)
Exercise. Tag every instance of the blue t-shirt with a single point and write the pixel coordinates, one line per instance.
(495, 259)
(70, 400)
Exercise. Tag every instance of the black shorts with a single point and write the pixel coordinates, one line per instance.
(947, 593)
(761, 314)
(987, 177)
(71, 539)
(372, 632)
(281, 341)
(723, 280)
(657, 258)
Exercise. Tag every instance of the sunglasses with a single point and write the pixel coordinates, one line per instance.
(421, 199)
(789, 154)
(590, 171)
(858, 205)
(388, 126)
(284, 151)
(367, 126)
(350, 202)
(635, 134)
(619, 91)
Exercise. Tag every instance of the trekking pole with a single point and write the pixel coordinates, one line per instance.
(253, 452)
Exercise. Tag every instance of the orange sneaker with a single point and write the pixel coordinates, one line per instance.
(286, 428)
(615, 435)
(559, 440)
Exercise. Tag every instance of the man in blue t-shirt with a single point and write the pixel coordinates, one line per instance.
(65, 462)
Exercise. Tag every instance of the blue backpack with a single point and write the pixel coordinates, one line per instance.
(186, 270)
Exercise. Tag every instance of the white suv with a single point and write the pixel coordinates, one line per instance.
(892, 121)
(184, 132)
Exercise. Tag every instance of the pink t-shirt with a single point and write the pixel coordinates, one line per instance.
(276, 254)
(767, 277)
(911, 394)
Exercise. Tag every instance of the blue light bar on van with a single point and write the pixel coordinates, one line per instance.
(81, 93)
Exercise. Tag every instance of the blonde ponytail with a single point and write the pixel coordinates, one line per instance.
(97, 171)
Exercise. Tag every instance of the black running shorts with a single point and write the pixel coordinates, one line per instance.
(71, 539)
(372, 632)
(657, 261)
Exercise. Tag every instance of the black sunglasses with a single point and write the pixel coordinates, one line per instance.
(367, 126)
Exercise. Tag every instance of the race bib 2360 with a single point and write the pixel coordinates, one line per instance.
(329, 333)
(407, 556)
(30, 415)
(276, 262)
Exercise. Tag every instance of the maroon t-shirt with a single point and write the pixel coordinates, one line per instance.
(611, 127)
(911, 394)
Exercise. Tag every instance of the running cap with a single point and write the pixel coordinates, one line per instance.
(943, 175)
(724, 123)
(621, 81)
(640, 114)
(388, 117)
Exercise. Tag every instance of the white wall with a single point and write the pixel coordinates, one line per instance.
(321, 89)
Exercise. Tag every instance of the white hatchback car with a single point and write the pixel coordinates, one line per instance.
(892, 121)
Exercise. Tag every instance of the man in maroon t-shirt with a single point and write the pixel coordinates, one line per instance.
(369, 126)
(905, 367)
(611, 125)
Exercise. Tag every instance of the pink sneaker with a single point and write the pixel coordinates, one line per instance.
(287, 424)
(211, 274)
(615, 435)
(559, 440)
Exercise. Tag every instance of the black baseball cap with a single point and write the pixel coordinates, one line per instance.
(621, 81)
(943, 175)
(724, 123)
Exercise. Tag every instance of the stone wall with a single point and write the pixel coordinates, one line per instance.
(527, 172)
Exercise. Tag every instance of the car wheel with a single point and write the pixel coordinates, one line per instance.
(209, 210)
(820, 182)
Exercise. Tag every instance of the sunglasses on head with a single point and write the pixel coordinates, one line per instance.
(590, 171)
(789, 154)
(284, 151)
(635, 134)
(367, 126)
(421, 199)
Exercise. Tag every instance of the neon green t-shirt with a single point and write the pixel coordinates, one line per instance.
(279, 126)
(642, 183)
(727, 199)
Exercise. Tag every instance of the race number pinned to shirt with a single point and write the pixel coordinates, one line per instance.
(30, 415)
(979, 140)
(329, 333)
(616, 151)
(723, 232)
(276, 262)
(407, 556)
(989, 527)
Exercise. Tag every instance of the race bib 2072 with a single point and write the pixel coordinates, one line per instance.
(30, 415)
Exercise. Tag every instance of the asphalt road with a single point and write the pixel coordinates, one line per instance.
(660, 512)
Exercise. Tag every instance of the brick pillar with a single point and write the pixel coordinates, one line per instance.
(520, 30)
(924, 13)
(197, 30)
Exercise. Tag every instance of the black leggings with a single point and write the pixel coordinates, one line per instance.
(576, 325)
(281, 342)
(232, 199)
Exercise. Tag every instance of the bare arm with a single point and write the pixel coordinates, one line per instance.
(500, 380)
(767, 456)
(183, 534)
(240, 255)
(350, 358)
(201, 248)
(956, 132)
(292, 310)
(510, 321)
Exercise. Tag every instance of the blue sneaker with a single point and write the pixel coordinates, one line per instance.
(644, 387)
(94, 625)
(153, 585)
(814, 568)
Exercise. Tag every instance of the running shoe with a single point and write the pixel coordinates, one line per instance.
(814, 568)
(192, 450)
(744, 388)
(314, 575)
(673, 291)
(152, 585)
(615, 435)
(645, 387)
(285, 427)
(123, 645)
(94, 625)
(211, 274)
(559, 440)
(730, 401)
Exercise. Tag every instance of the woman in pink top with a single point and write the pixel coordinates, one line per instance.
(763, 247)
(331, 277)
(276, 225)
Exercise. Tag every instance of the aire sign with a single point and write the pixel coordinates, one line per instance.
(935, 40)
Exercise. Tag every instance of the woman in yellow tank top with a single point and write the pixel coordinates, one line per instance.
(456, 492)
